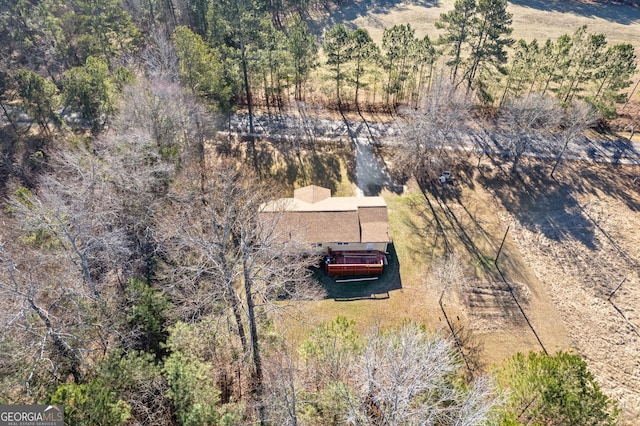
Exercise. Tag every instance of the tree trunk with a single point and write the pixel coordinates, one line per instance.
(389, 79)
(82, 258)
(534, 78)
(564, 77)
(247, 89)
(508, 84)
(201, 154)
(549, 76)
(476, 58)
(358, 70)
(237, 314)
(9, 119)
(172, 12)
(601, 86)
(576, 81)
(559, 158)
(265, 82)
(63, 348)
(258, 385)
(456, 60)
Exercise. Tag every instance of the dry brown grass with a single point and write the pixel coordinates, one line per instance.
(531, 18)
(579, 237)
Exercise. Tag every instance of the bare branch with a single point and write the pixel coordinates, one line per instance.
(439, 123)
(406, 376)
(529, 122)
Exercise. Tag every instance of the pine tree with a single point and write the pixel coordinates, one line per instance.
(424, 55)
(613, 74)
(589, 51)
(397, 43)
(303, 49)
(364, 51)
(489, 38)
(458, 25)
(39, 98)
(337, 47)
(554, 390)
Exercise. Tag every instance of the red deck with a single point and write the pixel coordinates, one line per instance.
(342, 263)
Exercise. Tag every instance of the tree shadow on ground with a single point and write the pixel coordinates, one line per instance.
(293, 164)
(616, 150)
(371, 172)
(618, 13)
(471, 347)
(617, 181)
(359, 290)
(543, 205)
(454, 224)
(324, 170)
(354, 10)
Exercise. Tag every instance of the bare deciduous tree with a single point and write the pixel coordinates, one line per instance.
(46, 319)
(69, 215)
(161, 58)
(226, 250)
(76, 247)
(406, 376)
(161, 129)
(167, 112)
(440, 121)
(527, 121)
(282, 393)
(578, 117)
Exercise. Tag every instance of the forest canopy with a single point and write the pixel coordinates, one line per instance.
(139, 284)
(248, 54)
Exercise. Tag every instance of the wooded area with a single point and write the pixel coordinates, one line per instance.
(139, 283)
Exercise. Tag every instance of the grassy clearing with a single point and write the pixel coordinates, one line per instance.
(570, 240)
